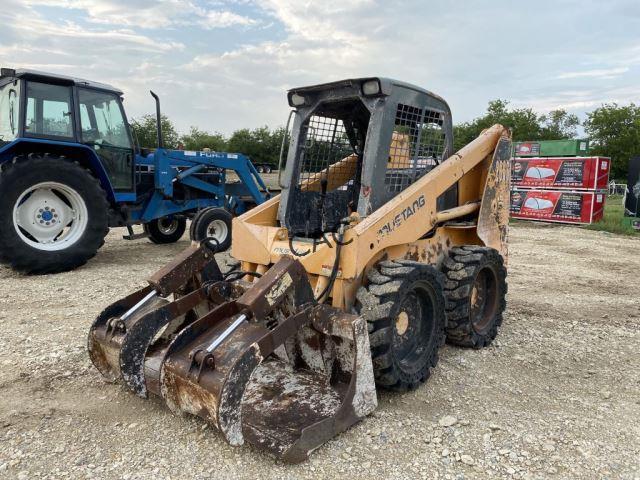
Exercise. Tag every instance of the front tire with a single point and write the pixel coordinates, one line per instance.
(213, 223)
(405, 310)
(166, 229)
(476, 290)
(53, 214)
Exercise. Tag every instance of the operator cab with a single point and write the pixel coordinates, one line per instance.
(36, 105)
(356, 144)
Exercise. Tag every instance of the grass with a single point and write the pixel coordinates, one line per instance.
(614, 220)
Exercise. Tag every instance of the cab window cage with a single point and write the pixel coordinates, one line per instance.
(417, 146)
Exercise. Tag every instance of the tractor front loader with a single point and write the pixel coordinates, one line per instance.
(383, 243)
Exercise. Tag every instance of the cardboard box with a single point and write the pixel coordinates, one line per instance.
(558, 205)
(551, 148)
(561, 172)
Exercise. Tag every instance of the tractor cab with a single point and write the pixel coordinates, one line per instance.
(43, 107)
(355, 144)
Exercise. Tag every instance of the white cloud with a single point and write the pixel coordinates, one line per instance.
(469, 52)
(149, 14)
(598, 73)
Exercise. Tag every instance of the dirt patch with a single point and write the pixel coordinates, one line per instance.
(555, 396)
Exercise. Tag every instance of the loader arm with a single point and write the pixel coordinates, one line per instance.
(389, 225)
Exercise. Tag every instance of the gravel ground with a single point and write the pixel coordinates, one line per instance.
(555, 397)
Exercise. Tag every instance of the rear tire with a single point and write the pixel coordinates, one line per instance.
(212, 223)
(167, 229)
(42, 192)
(405, 310)
(476, 290)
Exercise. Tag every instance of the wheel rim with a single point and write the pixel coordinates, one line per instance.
(484, 300)
(218, 230)
(50, 216)
(168, 226)
(414, 327)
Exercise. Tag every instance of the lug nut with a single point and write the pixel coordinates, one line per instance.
(39, 216)
(41, 210)
(55, 215)
(46, 208)
(41, 221)
(47, 223)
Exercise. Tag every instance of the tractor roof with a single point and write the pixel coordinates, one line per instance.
(386, 84)
(58, 79)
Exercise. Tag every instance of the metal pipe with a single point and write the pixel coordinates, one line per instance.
(230, 329)
(457, 212)
(139, 305)
(158, 120)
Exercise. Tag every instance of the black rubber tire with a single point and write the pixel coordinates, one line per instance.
(393, 287)
(201, 222)
(24, 171)
(260, 169)
(156, 234)
(267, 169)
(465, 267)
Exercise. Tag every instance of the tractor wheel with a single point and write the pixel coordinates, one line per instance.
(260, 169)
(167, 229)
(213, 223)
(53, 214)
(405, 309)
(475, 288)
(267, 169)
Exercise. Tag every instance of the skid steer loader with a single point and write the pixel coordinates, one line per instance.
(382, 244)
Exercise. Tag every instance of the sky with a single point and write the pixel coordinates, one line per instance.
(221, 65)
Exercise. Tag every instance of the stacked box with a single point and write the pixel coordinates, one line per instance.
(564, 206)
(554, 181)
(551, 148)
(589, 173)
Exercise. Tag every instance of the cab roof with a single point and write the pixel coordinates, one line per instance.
(57, 79)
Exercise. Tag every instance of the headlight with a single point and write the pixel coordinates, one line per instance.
(371, 87)
(297, 100)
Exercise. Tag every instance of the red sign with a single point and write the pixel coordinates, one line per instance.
(557, 205)
(561, 172)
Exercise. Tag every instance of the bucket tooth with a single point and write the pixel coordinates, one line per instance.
(287, 388)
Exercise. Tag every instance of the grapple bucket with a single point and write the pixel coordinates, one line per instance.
(273, 368)
(263, 362)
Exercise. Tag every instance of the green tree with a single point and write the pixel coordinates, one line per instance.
(198, 140)
(525, 123)
(558, 125)
(261, 145)
(145, 131)
(614, 131)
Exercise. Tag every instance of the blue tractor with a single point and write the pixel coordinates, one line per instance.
(70, 169)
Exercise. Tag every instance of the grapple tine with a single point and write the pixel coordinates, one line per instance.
(144, 331)
(103, 348)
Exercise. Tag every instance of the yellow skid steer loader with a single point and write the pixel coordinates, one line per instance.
(382, 244)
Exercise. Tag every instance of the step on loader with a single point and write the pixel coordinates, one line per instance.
(382, 244)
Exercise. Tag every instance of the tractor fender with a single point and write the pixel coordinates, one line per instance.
(82, 154)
